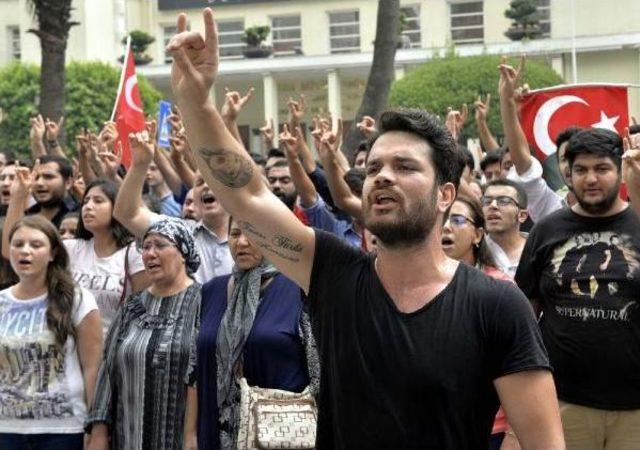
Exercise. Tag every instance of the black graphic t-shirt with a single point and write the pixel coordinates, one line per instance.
(586, 274)
(413, 380)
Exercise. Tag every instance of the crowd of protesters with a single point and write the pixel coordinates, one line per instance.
(427, 295)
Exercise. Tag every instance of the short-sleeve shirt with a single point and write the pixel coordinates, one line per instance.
(413, 380)
(41, 388)
(104, 277)
(585, 271)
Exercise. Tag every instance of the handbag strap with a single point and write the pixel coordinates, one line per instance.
(127, 276)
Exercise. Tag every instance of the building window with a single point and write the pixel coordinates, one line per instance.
(13, 43)
(167, 33)
(467, 22)
(230, 35)
(411, 34)
(544, 11)
(344, 31)
(287, 35)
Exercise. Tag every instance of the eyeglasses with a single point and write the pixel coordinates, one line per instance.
(501, 200)
(159, 246)
(459, 220)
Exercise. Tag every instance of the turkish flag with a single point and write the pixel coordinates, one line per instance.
(129, 116)
(547, 112)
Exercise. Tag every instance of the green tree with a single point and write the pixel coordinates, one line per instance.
(140, 41)
(90, 93)
(526, 20)
(452, 81)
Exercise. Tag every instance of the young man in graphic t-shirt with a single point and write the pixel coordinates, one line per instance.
(417, 350)
(581, 267)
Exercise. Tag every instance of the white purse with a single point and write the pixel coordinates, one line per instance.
(276, 419)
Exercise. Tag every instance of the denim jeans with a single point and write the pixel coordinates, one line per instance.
(9, 441)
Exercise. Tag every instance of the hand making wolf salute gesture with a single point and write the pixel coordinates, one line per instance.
(224, 163)
(392, 395)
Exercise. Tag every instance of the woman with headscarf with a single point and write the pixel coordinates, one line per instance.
(251, 322)
(149, 355)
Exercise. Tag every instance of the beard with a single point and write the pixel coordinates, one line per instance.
(601, 206)
(52, 202)
(287, 199)
(410, 227)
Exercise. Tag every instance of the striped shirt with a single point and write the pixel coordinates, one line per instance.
(149, 360)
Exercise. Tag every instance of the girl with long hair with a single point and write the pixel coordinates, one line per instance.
(50, 344)
(102, 257)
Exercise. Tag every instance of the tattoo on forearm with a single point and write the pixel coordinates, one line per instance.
(248, 227)
(286, 243)
(270, 248)
(228, 167)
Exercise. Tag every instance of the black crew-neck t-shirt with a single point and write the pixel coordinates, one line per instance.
(585, 271)
(417, 380)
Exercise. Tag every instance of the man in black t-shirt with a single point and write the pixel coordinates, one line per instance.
(581, 267)
(417, 349)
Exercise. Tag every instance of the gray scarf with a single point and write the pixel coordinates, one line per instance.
(234, 330)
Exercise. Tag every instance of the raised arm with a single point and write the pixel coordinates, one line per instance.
(484, 133)
(20, 191)
(631, 168)
(223, 162)
(52, 130)
(291, 143)
(515, 138)
(233, 104)
(129, 208)
(36, 135)
(340, 192)
(180, 151)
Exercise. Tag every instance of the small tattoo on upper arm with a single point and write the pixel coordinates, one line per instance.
(228, 167)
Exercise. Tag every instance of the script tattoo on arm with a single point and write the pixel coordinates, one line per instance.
(279, 245)
(228, 167)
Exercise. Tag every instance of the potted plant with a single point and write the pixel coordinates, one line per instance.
(139, 43)
(254, 37)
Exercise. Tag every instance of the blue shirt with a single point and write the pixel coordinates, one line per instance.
(274, 355)
(169, 207)
(320, 217)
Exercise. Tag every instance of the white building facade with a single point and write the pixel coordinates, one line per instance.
(324, 48)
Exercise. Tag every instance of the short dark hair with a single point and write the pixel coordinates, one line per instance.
(118, 231)
(492, 157)
(275, 153)
(23, 162)
(278, 163)
(468, 157)
(447, 160)
(595, 141)
(564, 136)
(355, 179)
(8, 154)
(64, 166)
(521, 194)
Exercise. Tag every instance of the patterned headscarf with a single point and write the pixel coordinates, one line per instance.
(180, 236)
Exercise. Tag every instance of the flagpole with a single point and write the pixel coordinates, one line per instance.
(124, 65)
(574, 58)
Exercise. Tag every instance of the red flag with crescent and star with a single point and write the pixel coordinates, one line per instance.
(546, 112)
(128, 113)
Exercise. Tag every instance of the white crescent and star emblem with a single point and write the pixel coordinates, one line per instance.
(131, 82)
(546, 112)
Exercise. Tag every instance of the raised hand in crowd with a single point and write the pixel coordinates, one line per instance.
(111, 161)
(233, 104)
(296, 111)
(36, 136)
(367, 126)
(291, 142)
(52, 131)
(456, 119)
(631, 167)
(21, 189)
(267, 133)
(482, 116)
(108, 136)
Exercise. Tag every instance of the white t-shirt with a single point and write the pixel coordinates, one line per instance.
(41, 389)
(104, 277)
